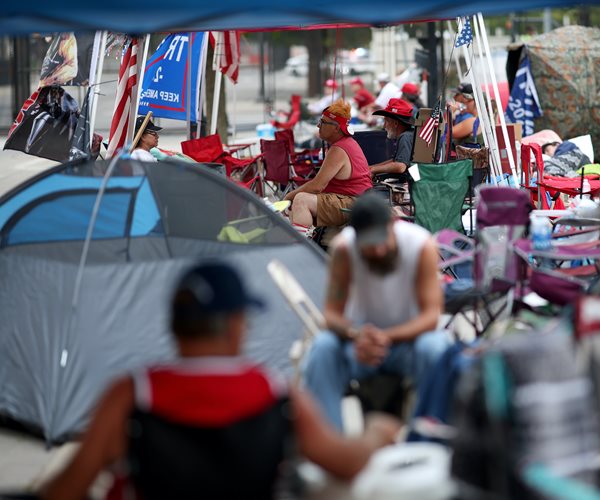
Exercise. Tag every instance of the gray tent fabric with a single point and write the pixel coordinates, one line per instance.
(57, 359)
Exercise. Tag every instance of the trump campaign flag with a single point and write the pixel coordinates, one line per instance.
(164, 89)
(523, 103)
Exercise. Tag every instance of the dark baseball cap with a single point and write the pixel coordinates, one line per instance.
(217, 288)
(149, 126)
(465, 89)
(370, 216)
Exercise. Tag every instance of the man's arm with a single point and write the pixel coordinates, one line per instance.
(388, 167)
(322, 445)
(104, 442)
(338, 289)
(429, 298)
(333, 162)
(399, 163)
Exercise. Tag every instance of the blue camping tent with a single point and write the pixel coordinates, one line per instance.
(76, 315)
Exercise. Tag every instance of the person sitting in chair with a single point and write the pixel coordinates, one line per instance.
(399, 125)
(239, 413)
(343, 175)
(382, 306)
(147, 141)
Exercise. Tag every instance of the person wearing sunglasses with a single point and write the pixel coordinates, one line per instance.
(148, 140)
(343, 176)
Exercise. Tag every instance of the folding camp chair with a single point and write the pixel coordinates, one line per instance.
(305, 161)
(305, 309)
(238, 459)
(293, 117)
(278, 173)
(437, 198)
(496, 276)
(210, 149)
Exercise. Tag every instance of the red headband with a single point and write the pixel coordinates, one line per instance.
(341, 121)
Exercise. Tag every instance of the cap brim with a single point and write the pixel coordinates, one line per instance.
(404, 119)
(373, 236)
(255, 303)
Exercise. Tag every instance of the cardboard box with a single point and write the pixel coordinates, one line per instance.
(422, 152)
(514, 135)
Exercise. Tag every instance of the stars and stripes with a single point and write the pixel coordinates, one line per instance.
(431, 125)
(227, 53)
(465, 36)
(127, 80)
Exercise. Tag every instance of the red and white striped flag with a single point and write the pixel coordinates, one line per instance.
(127, 80)
(227, 53)
(431, 125)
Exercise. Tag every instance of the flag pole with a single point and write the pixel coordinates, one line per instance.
(137, 88)
(218, 77)
(98, 69)
(511, 161)
(201, 94)
(188, 87)
(459, 72)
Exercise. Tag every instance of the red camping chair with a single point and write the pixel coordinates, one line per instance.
(279, 173)
(210, 149)
(293, 117)
(305, 161)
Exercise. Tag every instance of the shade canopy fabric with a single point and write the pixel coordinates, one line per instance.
(149, 16)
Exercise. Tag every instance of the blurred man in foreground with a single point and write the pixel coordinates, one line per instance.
(212, 390)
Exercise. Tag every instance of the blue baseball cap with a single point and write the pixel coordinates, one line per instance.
(217, 288)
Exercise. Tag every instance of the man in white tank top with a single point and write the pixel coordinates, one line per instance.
(382, 306)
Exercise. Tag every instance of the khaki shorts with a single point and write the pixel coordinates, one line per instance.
(329, 209)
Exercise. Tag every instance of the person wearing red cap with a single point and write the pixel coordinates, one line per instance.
(343, 175)
(411, 93)
(330, 95)
(398, 123)
(362, 97)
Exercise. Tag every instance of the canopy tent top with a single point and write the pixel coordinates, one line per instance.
(150, 16)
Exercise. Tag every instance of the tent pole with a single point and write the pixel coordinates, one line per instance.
(492, 124)
(459, 72)
(509, 148)
(201, 85)
(188, 88)
(98, 68)
(477, 96)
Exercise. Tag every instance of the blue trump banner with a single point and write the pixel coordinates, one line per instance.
(164, 89)
(523, 104)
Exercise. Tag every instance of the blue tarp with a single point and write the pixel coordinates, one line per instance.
(149, 16)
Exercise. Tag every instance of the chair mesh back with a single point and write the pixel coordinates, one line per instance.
(276, 161)
(239, 461)
(439, 195)
(502, 218)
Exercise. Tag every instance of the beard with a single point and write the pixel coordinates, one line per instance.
(391, 134)
(382, 265)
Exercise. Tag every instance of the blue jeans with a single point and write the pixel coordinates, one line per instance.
(331, 364)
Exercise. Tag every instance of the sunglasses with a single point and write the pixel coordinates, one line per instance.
(151, 132)
(323, 122)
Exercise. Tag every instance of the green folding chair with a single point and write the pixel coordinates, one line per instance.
(438, 196)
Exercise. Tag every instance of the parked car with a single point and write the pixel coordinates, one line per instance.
(350, 62)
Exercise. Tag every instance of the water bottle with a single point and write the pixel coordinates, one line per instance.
(541, 233)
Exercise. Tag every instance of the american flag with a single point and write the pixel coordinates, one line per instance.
(466, 34)
(431, 125)
(127, 80)
(227, 53)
